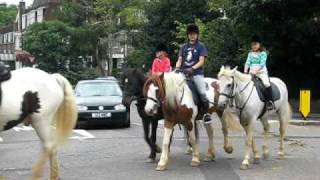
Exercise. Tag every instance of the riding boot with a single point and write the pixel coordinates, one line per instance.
(270, 104)
(205, 103)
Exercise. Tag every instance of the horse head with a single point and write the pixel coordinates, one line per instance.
(155, 93)
(226, 86)
(132, 82)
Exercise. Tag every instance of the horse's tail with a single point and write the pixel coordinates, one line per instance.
(231, 121)
(66, 116)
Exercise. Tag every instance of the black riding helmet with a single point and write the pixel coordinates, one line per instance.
(162, 47)
(192, 28)
(255, 39)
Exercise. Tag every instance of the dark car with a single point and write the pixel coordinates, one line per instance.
(100, 102)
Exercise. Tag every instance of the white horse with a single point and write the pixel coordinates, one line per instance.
(172, 91)
(35, 97)
(240, 87)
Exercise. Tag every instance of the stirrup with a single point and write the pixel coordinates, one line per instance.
(270, 105)
(207, 119)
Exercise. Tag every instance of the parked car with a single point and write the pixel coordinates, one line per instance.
(100, 102)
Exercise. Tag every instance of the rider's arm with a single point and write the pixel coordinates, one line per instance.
(200, 63)
(179, 62)
(247, 64)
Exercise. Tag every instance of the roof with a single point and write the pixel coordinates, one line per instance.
(38, 3)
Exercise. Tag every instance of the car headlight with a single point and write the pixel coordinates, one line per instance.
(120, 107)
(82, 108)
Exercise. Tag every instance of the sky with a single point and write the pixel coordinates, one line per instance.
(16, 2)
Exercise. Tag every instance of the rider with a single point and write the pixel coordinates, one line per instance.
(256, 64)
(161, 63)
(191, 60)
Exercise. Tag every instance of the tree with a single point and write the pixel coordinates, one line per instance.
(7, 14)
(290, 32)
(55, 47)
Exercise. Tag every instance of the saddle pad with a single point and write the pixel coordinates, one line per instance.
(262, 90)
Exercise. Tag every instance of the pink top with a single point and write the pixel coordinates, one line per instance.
(160, 65)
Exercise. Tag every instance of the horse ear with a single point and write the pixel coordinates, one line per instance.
(234, 69)
(222, 68)
(134, 71)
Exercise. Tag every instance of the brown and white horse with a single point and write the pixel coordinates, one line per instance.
(172, 92)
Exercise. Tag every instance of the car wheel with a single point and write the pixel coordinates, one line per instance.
(127, 123)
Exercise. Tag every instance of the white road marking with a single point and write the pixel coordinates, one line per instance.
(84, 134)
(23, 128)
(81, 134)
(1, 140)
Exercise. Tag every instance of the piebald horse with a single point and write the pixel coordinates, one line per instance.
(239, 87)
(32, 96)
(172, 92)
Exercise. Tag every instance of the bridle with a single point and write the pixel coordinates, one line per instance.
(230, 96)
(233, 93)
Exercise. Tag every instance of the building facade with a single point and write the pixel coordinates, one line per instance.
(11, 36)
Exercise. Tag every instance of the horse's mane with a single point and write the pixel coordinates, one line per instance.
(227, 71)
(158, 82)
(173, 82)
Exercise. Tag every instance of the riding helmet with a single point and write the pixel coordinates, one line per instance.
(162, 47)
(255, 38)
(192, 28)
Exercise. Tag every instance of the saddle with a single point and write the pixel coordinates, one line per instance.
(262, 90)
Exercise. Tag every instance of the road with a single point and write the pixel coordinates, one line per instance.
(111, 153)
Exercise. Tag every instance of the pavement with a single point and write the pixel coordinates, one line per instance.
(111, 153)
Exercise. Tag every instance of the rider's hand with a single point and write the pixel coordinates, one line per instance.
(189, 71)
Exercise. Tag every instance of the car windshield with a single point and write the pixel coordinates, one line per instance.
(98, 89)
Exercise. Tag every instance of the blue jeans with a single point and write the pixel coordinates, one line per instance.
(200, 84)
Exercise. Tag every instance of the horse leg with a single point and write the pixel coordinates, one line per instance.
(195, 150)
(162, 165)
(284, 116)
(266, 127)
(227, 146)
(211, 151)
(189, 148)
(170, 139)
(146, 126)
(54, 171)
(154, 127)
(44, 131)
(248, 144)
(256, 156)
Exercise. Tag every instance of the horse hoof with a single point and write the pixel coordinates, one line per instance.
(150, 160)
(244, 167)
(266, 156)
(256, 161)
(161, 168)
(209, 158)
(158, 149)
(189, 151)
(281, 155)
(228, 149)
(195, 163)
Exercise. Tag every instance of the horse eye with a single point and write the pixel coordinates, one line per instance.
(229, 85)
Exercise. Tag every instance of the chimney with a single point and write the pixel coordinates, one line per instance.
(22, 7)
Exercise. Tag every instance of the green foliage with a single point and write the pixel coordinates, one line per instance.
(7, 14)
(138, 57)
(56, 47)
